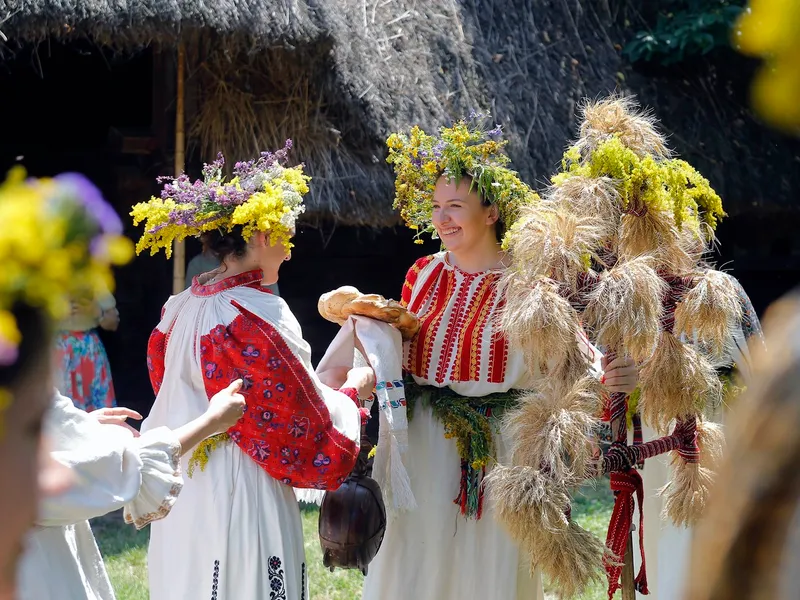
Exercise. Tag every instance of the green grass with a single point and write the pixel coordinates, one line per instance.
(125, 552)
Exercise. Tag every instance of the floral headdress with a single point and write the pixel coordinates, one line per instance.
(58, 241)
(466, 149)
(263, 195)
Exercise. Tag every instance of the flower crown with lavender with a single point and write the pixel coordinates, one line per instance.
(263, 195)
(58, 243)
(468, 148)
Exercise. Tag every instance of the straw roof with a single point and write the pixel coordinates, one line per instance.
(339, 75)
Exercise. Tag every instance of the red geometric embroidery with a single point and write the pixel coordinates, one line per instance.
(498, 350)
(286, 428)
(422, 349)
(411, 278)
(467, 365)
(455, 326)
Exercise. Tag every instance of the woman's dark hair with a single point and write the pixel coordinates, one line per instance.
(35, 329)
(225, 245)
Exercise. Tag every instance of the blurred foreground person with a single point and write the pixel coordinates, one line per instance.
(748, 546)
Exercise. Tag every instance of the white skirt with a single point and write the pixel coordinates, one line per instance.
(433, 553)
(234, 534)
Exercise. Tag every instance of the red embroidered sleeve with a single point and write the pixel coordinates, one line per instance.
(411, 279)
(287, 428)
(156, 348)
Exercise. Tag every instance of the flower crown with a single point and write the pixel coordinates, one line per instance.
(263, 195)
(467, 148)
(58, 242)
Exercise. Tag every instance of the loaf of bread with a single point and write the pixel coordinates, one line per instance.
(346, 301)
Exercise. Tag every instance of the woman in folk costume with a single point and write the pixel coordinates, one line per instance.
(458, 187)
(79, 236)
(237, 532)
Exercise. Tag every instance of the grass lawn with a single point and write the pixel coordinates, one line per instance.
(125, 552)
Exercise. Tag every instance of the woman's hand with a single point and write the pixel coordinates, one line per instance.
(362, 379)
(620, 375)
(226, 407)
(117, 416)
(109, 319)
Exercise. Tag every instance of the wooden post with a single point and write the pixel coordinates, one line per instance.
(179, 250)
(628, 587)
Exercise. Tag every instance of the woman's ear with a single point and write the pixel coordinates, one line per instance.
(259, 239)
(493, 215)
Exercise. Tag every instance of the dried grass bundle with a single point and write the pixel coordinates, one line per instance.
(621, 116)
(710, 311)
(550, 240)
(588, 195)
(532, 508)
(625, 308)
(596, 196)
(527, 501)
(711, 441)
(677, 382)
(654, 233)
(687, 493)
(538, 321)
(572, 559)
(555, 432)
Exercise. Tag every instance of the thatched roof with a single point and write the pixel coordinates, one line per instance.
(339, 75)
(142, 22)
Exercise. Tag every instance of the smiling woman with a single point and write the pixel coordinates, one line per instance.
(462, 372)
(468, 226)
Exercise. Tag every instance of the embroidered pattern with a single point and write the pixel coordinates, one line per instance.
(467, 306)
(303, 581)
(411, 279)
(422, 349)
(287, 428)
(498, 350)
(156, 350)
(215, 581)
(470, 330)
(277, 584)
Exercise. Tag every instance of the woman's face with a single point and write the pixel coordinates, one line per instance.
(23, 466)
(269, 256)
(459, 216)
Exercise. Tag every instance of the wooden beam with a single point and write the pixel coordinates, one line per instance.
(179, 250)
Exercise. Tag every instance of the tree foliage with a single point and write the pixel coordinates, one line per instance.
(685, 29)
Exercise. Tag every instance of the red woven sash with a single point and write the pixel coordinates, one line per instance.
(624, 484)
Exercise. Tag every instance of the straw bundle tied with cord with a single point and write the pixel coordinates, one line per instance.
(613, 246)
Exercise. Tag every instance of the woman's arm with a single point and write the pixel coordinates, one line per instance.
(112, 469)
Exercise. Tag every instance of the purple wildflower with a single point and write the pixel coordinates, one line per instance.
(214, 169)
(495, 133)
(80, 188)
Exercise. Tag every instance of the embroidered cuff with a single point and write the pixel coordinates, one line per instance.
(352, 393)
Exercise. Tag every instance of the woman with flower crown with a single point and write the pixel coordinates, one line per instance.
(463, 373)
(92, 468)
(237, 532)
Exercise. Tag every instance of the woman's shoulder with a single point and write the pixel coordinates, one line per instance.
(426, 261)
